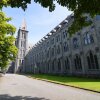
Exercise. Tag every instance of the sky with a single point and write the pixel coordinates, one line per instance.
(38, 19)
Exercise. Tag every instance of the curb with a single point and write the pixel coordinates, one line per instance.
(64, 84)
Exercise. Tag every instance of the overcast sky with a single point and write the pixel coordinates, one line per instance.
(39, 20)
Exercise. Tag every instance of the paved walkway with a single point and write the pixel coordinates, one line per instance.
(19, 87)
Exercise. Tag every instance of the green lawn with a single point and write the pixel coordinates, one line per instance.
(87, 83)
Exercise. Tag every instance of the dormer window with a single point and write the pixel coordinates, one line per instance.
(64, 34)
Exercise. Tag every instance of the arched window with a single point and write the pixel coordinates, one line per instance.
(65, 47)
(53, 66)
(59, 65)
(92, 61)
(20, 62)
(64, 34)
(48, 67)
(75, 43)
(24, 44)
(67, 64)
(52, 41)
(48, 54)
(96, 62)
(23, 35)
(58, 49)
(88, 39)
(23, 53)
(77, 62)
(58, 38)
(52, 52)
(21, 43)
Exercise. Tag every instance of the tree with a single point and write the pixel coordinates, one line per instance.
(79, 7)
(8, 50)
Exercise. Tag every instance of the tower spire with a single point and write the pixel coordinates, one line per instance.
(24, 26)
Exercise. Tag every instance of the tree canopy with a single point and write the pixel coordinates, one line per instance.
(79, 7)
(8, 50)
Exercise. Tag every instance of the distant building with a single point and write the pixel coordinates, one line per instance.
(58, 53)
(22, 45)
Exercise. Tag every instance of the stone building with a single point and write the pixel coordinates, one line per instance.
(58, 53)
(21, 44)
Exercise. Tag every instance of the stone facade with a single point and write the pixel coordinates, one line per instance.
(21, 44)
(58, 53)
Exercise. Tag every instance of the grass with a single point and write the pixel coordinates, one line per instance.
(86, 83)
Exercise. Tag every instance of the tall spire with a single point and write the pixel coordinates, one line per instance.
(24, 26)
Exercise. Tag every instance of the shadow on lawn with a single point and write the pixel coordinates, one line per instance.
(8, 97)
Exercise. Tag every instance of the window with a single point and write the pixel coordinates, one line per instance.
(97, 17)
(24, 44)
(52, 41)
(48, 54)
(42, 55)
(59, 65)
(48, 67)
(58, 38)
(75, 43)
(58, 49)
(64, 34)
(92, 27)
(52, 52)
(67, 64)
(77, 62)
(21, 43)
(53, 66)
(88, 39)
(23, 53)
(47, 44)
(20, 62)
(23, 35)
(65, 47)
(92, 61)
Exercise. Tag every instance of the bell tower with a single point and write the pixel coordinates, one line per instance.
(22, 45)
